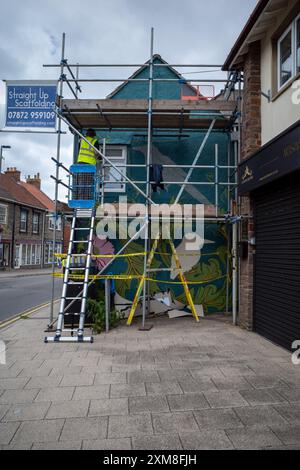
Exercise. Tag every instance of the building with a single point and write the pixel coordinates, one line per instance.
(33, 185)
(267, 52)
(182, 120)
(26, 225)
(22, 220)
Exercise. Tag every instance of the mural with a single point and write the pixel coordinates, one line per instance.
(206, 269)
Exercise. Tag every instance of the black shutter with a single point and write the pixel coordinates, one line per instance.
(277, 261)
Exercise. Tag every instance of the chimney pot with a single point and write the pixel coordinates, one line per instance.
(14, 173)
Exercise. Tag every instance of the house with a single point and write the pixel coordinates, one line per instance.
(267, 52)
(33, 185)
(26, 225)
(180, 126)
(22, 220)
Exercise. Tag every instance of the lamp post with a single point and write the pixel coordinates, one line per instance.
(1, 156)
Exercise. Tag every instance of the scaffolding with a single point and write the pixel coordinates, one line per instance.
(151, 114)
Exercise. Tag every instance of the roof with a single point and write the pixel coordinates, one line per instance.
(39, 195)
(245, 32)
(156, 58)
(15, 191)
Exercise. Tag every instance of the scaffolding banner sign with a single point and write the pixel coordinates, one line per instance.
(30, 104)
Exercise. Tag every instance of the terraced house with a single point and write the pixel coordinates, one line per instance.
(25, 222)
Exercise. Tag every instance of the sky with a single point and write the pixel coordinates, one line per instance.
(103, 31)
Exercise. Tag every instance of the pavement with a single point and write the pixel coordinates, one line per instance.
(181, 385)
(5, 274)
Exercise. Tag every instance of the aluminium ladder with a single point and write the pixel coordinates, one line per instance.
(67, 299)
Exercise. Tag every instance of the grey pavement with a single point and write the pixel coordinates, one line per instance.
(181, 385)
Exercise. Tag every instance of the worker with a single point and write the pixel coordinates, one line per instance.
(87, 154)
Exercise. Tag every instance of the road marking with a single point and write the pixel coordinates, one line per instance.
(25, 314)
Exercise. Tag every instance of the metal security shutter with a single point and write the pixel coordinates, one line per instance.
(277, 261)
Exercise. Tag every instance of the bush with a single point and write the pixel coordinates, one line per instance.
(96, 312)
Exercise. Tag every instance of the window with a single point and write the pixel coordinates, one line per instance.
(3, 214)
(52, 222)
(288, 50)
(48, 256)
(35, 222)
(117, 155)
(30, 255)
(23, 220)
(285, 58)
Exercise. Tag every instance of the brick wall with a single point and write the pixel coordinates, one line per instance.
(251, 142)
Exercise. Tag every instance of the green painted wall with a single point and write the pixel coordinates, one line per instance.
(175, 150)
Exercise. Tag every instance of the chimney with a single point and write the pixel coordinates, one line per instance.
(14, 173)
(34, 180)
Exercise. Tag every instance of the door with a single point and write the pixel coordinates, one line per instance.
(17, 257)
(277, 261)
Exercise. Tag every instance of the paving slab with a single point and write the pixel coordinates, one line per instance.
(262, 397)
(253, 438)
(108, 407)
(17, 383)
(191, 385)
(173, 423)
(55, 394)
(157, 403)
(232, 383)
(225, 399)
(65, 445)
(18, 396)
(127, 390)
(77, 380)
(266, 381)
(163, 388)
(162, 442)
(291, 395)
(266, 415)
(191, 401)
(68, 409)
(206, 440)
(290, 412)
(84, 428)
(92, 392)
(288, 434)
(38, 431)
(107, 444)
(110, 378)
(27, 412)
(143, 376)
(129, 426)
(217, 419)
(7, 432)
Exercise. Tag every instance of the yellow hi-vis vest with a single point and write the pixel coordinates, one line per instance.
(86, 152)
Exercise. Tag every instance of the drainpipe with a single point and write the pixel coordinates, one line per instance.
(12, 249)
(43, 238)
(234, 272)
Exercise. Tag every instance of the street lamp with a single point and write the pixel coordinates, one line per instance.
(1, 156)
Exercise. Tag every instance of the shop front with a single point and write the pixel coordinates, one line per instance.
(271, 178)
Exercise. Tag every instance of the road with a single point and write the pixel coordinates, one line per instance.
(21, 293)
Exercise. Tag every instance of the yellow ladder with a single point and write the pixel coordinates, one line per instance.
(181, 276)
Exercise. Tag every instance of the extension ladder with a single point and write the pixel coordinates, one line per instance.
(68, 299)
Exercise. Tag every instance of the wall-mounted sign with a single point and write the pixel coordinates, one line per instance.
(277, 158)
(30, 104)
